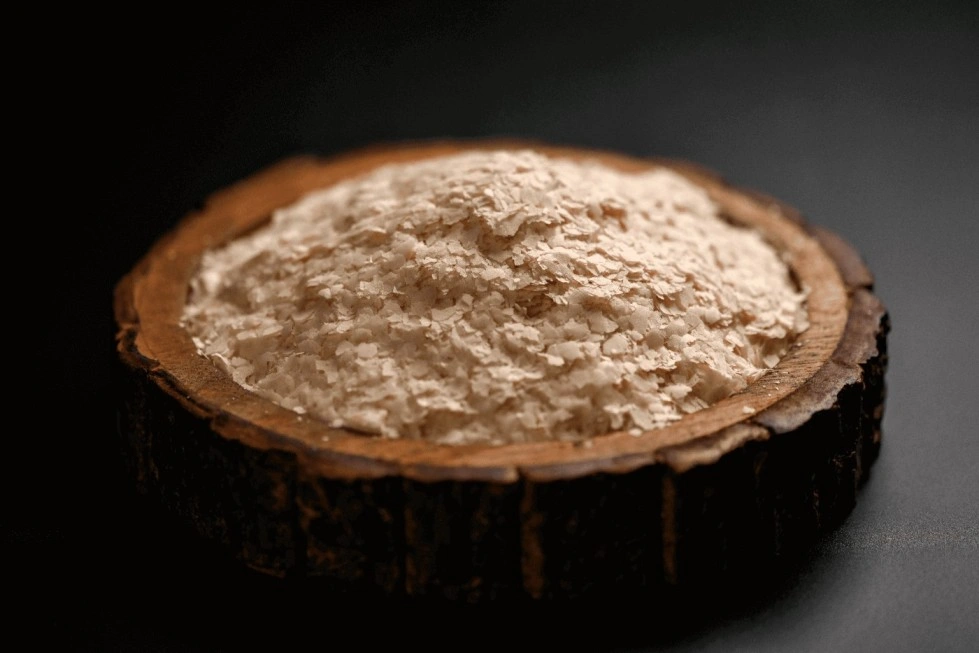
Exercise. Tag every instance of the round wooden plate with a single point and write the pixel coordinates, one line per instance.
(751, 478)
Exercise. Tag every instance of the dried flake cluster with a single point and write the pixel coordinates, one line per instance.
(497, 297)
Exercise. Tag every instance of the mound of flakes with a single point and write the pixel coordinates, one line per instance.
(495, 297)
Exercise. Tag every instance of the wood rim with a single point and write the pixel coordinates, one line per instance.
(150, 300)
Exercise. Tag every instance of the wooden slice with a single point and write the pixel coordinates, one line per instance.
(716, 491)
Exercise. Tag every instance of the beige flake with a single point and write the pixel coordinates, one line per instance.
(495, 297)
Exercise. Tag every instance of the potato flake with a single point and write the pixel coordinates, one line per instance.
(494, 297)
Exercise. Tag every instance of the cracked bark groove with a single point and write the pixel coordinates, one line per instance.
(719, 491)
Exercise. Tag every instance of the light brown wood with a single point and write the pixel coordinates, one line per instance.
(326, 500)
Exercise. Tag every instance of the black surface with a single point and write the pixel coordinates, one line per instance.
(865, 116)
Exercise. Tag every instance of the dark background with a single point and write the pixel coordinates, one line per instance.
(863, 115)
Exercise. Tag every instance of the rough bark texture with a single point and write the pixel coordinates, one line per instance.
(747, 494)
